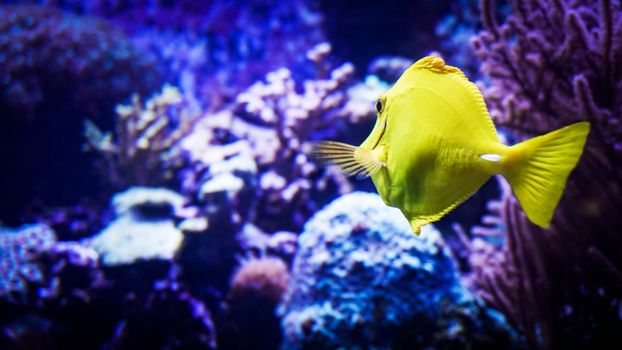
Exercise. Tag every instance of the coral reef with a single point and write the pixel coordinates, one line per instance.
(250, 320)
(215, 49)
(55, 69)
(271, 124)
(362, 279)
(49, 311)
(126, 275)
(20, 273)
(49, 54)
(72, 273)
(141, 151)
(144, 228)
(70, 223)
(188, 323)
(456, 30)
(551, 63)
(225, 243)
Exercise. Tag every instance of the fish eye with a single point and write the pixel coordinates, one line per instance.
(379, 105)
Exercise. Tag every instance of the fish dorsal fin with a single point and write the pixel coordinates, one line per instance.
(437, 65)
(455, 88)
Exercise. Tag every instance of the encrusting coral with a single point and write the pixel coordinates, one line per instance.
(549, 64)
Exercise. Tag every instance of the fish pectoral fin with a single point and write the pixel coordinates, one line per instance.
(351, 160)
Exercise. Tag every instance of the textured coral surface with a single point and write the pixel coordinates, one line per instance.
(362, 279)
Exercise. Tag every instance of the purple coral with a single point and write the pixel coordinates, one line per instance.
(552, 63)
(216, 48)
(55, 69)
(168, 318)
(50, 55)
(20, 272)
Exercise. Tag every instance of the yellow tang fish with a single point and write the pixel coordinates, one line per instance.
(434, 145)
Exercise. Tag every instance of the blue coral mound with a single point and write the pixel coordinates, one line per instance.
(361, 279)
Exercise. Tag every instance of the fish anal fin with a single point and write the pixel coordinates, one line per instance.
(416, 225)
(417, 222)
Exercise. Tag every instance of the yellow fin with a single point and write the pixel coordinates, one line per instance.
(436, 64)
(537, 169)
(351, 160)
(416, 225)
(468, 112)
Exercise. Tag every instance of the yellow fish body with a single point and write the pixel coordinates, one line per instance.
(434, 145)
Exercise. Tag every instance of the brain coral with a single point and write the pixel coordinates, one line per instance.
(361, 279)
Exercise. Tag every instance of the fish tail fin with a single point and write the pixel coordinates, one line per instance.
(537, 169)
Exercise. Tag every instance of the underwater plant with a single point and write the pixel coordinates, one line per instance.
(550, 63)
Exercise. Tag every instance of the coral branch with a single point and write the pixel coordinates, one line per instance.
(488, 17)
(143, 153)
(607, 264)
(557, 62)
